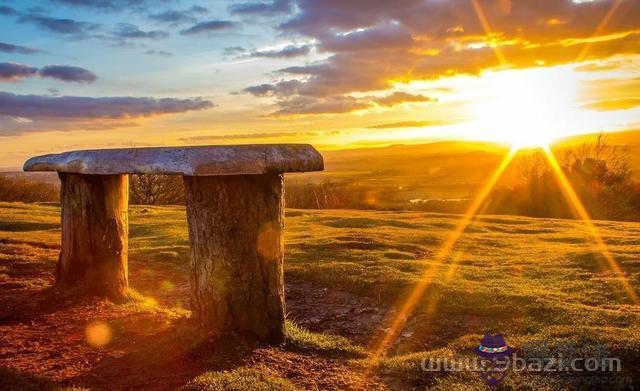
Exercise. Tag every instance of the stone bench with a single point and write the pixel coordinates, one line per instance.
(235, 213)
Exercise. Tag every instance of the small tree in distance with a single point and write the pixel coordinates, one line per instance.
(156, 190)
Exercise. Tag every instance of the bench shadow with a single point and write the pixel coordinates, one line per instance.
(167, 359)
(11, 379)
(26, 305)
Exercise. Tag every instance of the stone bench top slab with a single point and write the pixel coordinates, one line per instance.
(190, 161)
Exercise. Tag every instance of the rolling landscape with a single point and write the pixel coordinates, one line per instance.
(347, 272)
(283, 195)
(533, 279)
(395, 175)
(442, 170)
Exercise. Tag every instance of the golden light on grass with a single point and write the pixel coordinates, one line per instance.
(407, 305)
(526, 110)
(581, 212)
(98, 334)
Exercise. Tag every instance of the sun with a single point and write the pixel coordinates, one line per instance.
(525, 108)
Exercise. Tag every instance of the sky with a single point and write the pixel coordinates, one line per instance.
(78, 74)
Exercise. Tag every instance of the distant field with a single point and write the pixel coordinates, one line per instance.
(535, 280)
(449, 169)
(440, 170)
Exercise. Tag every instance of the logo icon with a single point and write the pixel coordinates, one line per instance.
(494, 356)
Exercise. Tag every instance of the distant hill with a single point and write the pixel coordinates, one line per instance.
(629, 137)
(450, 169)
(439, 170)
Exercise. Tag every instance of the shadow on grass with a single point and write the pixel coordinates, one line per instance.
(42, 245)
(26, 226)
(157, 355)
(363, 222)
(14, 380)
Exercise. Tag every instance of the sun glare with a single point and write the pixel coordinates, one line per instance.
(526, 108)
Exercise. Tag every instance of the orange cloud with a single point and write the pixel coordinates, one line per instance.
(613, 104)
(374, 43)
(407, 124)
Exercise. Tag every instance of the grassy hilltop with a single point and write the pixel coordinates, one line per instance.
(532, 279)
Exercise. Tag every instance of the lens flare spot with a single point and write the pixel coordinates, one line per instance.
(98, 334)
(268, 240)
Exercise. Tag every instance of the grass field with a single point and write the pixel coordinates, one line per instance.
(537, 281)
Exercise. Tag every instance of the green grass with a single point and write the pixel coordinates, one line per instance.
(241, 379)
(300, 338)
(137, 302)
(530, 279)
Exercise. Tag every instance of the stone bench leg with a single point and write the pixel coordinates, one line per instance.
(95, 227)
(235, 228)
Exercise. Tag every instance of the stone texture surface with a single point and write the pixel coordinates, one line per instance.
(95, 230)
(237, 278)
(189, 161)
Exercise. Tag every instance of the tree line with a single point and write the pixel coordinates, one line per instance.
(599, 173)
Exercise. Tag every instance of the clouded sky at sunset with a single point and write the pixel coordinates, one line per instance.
(80, 74)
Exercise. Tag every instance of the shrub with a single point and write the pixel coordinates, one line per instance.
(28, 191)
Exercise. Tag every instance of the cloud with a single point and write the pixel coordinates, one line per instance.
(7, 11)
(68, 73)
(112, 5)
(233, 50)
(599, 67)
(440, 20)
(397, 98)
(10, 71)
(290, 101)
(275, 7)
(346, 73)
(614, 104)
(246, 136)
(77, 107)
(344, 104)
(610, 89)
(131, 31)
(262, 89)
(289, 51)
(407, 124)
(208, 27)
(283, 88)
(199, 10)
(332, 105)
(9, 48)
(373, 44)
(15, 126)
(158, 52)
(176, 17)
(387, 36)
(60, 26)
